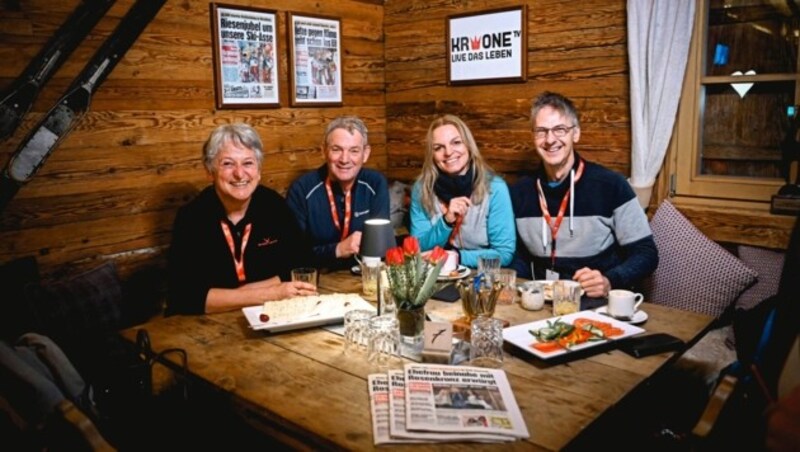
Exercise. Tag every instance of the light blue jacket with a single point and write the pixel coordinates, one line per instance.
(488, 228)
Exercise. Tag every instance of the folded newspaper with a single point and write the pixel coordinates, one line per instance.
(432, 403)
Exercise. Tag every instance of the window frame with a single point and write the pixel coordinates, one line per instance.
(686, 145)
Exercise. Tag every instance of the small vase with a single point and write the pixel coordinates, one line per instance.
(412, 323)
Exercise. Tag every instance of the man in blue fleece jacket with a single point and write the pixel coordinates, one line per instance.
(332, 202)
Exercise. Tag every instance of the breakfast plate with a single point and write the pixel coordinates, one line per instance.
(639, 317)
(303, 312)
(460, 272)
(520, 336)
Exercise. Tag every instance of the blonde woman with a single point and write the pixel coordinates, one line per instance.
(458, 202)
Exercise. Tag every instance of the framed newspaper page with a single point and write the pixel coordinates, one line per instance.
(315, 49)
(245, 63)
(487, 47)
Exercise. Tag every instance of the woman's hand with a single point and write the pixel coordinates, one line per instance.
(291, 289)
(457, 208)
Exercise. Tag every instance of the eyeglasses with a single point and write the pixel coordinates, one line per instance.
(558, 131)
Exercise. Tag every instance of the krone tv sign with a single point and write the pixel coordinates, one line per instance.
(487, 47)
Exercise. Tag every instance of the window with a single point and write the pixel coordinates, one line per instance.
(740, 90)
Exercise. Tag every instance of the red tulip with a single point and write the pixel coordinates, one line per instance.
(394, 256)
(411, 245)
(437, 255)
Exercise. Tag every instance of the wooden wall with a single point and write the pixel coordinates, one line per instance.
(110, 191)
(578, 49)
(112, 188)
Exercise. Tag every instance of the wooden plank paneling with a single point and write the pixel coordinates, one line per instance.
(110, 191)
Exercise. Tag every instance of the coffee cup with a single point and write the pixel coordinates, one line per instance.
(623, 303)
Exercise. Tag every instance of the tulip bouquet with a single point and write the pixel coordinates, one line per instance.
(412, 278)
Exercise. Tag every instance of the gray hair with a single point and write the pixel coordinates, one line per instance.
(348, 123)
(557, 102)
(239, 133)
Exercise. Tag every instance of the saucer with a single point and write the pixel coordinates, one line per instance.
(639, 317)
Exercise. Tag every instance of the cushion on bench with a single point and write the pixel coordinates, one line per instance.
(694, 273)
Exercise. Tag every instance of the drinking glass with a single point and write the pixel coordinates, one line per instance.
(508, 278)
(566, 297)
(305, 274)
(486, 342)
(356, 329)
(383, 341)
(488, 264)
(370, 272)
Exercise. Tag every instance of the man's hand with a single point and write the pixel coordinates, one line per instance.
(349, 246)
(593, 282)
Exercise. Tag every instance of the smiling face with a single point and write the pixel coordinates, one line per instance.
(346, 154)
(556, 153)
(236, 174)
(450, 152)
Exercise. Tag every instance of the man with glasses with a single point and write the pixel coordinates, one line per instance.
(332, 202)
(576, 219)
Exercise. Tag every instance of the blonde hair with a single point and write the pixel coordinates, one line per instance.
(482, 173)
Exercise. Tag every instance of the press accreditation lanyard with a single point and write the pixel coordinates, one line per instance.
(335, 214)
(548, 219)
(238, 263)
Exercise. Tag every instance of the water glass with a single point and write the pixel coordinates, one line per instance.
(305, 274)
(370, 272)
(356, 329)
(386, 304)
(486, 342)
(508, 278)
(384, 340)
(488, 263)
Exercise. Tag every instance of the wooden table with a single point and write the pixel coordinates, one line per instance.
(300, 387)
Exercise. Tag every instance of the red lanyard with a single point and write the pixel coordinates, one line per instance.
(238, 263)
(554, 226)
(456, 230)
(334, 214)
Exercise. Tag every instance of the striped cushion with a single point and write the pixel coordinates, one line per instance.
(769, 265)
(694, 273)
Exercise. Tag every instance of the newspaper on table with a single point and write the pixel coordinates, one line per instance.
(397, 418)
(379, 407)
(442, 398)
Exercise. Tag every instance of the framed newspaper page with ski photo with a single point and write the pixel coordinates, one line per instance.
(315, 49)
(487, 47)
(245, 62)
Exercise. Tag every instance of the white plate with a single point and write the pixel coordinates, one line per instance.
(520, 336)
(463, 272)
(639, 317)
(331, 310)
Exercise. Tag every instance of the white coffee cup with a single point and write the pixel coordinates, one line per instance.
(623, 303)
(450, 264)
